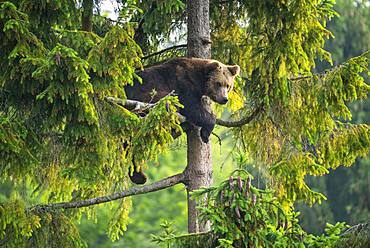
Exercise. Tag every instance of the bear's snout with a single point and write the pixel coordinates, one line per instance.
(224, 100)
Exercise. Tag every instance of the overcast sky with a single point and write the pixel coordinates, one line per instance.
(108, 6)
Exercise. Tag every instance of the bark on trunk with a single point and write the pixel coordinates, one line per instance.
(87, 15)
(199, 168)
(199, 38)
(198, 174)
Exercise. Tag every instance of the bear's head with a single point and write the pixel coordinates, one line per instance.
(220, 81)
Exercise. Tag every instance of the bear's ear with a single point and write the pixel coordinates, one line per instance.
(234, 69)
(212, 67)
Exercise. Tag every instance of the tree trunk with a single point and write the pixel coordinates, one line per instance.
(199, 168)
(87, 15)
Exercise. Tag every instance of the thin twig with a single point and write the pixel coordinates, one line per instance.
(218, 138)
(156, 186)
(164, 50)
(299, 78)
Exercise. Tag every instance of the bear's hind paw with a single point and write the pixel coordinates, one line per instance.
(138, 177)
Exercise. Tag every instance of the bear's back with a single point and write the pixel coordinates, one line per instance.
(179, 75)
(156, 78)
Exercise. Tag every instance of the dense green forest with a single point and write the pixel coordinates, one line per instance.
(299, 162)
(345, 187)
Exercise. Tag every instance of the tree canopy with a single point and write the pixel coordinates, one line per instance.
(61, 140)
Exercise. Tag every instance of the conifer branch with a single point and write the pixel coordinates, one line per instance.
(138, 190)
(356, 229)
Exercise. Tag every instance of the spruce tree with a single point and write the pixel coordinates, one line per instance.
(64, 116)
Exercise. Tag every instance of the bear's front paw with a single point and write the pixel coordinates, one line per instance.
(204, 135)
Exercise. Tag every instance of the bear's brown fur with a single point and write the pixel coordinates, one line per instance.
(191, 79)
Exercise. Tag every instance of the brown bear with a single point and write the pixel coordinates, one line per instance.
(191, 79)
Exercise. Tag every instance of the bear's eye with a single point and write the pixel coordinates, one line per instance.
(218, 84)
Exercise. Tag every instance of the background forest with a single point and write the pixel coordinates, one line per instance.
(78, 136)
(345, 187)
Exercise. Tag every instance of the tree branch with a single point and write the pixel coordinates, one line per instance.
(136, 106)
(131, 105)
(241, 122)
(164, 50)
(156, 186)
(299, 78)
(291, 79)
(356, 228)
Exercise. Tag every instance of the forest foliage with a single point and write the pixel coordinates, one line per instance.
(344, 187)
(60, 140)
